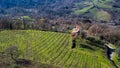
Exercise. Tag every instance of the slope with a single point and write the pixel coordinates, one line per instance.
(54, 48)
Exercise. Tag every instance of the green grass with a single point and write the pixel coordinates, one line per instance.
(54, 48)
(88, 6)
(103, 3)
(116, 59)
(103, 15)
(83, 10)
(28, 18)
(115, 56)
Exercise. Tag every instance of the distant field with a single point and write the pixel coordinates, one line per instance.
(53, 48)
(81, 11)
(93, 9)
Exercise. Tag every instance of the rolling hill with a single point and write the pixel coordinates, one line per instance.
(83, 8)
(54, 49)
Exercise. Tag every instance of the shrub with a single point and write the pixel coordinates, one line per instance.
(106, 33)
(13, 51)
(83, 35)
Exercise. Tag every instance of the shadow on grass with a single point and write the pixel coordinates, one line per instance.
(96, 43)
(87, 47)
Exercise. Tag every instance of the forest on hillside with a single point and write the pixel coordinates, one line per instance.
(99, 10)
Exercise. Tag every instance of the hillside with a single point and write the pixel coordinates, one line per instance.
(54, 49)
(62, 8)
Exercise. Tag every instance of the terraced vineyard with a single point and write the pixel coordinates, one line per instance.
(52, 48)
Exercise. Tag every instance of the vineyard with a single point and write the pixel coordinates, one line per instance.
(52, 48)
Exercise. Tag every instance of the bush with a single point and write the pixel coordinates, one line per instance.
(90, 38)
(13, 51)
(105, 32)
(94, 40)
(83, 35)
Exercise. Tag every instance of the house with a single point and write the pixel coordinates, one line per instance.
(76, 31)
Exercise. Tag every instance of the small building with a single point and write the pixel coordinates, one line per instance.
(76, 31)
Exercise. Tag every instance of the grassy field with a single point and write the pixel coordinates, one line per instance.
(103, 3)
(95, 9)
(54, 48)
(83, 10)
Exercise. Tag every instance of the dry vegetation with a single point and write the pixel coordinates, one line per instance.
(108, 33)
